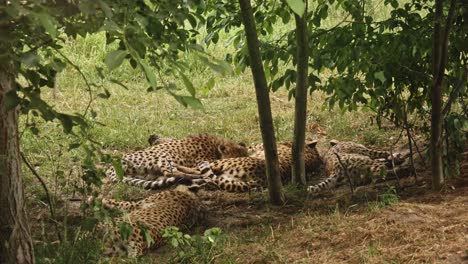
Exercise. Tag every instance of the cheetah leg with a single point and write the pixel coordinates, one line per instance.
(328, 183)
(225, 182)
(188, 170)
(123, 205)
(170, 169)
(177, 173)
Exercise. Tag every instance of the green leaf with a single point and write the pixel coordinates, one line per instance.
(193, 102)
(150, 76)
(380, 76)
(324, 12)
(188, 101)
(174, 242)
(30, 59)
(188, 84)
(149, 4)
(118, 83)
(34, 130)
(73, 146)
(125, 230)
(67, 122)
(105, 8)
(297, 6)
(285, 17)
(117, 164)
(210, 84)
(115, 58)
(110, 26)
(192, 20)
(104, 95)
(217, 65)
(58, 65)
(48, 23)
(147, 235)
(11, 100)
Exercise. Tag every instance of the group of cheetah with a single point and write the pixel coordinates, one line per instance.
(197, 161)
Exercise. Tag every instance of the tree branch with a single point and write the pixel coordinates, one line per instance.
(454, 94)
(82, 76)
(444, 46)
(44, 186)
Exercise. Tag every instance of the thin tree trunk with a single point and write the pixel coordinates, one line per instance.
(263, 102)
(298, 166)
(15, 237)
(439, 60)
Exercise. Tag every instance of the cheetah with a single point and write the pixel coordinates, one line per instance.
(174, 160)
(361, 164)
(245, 173)
(178, 207)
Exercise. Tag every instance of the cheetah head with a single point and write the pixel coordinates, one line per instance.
(232, 150)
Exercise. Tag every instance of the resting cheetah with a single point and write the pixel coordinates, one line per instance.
(360, 163)
(244, 173)
(179, 207)
(173, 159)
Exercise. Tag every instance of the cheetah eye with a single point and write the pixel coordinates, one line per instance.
(242, 144)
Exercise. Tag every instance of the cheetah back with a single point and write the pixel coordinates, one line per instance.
(163, 159)
(179, 207)
(348, 159)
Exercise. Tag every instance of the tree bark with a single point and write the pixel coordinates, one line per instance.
(15, 237)
(263, 102)
(300, 110)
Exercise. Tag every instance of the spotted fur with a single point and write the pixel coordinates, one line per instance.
(174, 160)
(244, 173)
(347, 159)
(179, 207)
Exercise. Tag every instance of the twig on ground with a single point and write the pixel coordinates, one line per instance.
(408, 134)
(419, 151)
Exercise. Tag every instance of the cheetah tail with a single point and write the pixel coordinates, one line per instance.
(161, 183)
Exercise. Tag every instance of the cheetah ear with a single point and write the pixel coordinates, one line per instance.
(334, 142)
(152, 139)
(221, 149)
(311, 144)
(242, 144)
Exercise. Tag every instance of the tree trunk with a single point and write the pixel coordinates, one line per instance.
(15, 237)
(298, 166)
(263, 102)
(440, 54)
